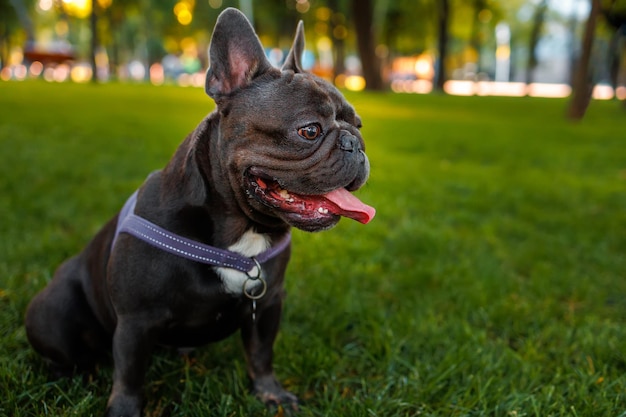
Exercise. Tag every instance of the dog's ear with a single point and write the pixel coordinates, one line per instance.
(236, 54)
(293, 61)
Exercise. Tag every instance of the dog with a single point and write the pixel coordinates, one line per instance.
(200, 250)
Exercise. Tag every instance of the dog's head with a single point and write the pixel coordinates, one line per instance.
(289, 140)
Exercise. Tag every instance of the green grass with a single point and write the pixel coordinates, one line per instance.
(492, 281)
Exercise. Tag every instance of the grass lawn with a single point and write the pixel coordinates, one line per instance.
(492, 281)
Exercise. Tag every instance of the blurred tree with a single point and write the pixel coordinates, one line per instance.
(535, 34)
(22, 11)
(93, 19)
(14, 18)
(477, 35)
(408, 26)
(582, 81)
(473, 27)
(140, 29)
(120, 19)
(363, 15)
(276, 20)
(443, 19)
(512, 15)
(614, 12)
(8, 25)
(461, 29)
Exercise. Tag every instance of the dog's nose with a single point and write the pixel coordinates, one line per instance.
(348, 142)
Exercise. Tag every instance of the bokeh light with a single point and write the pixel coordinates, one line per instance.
(77, 8)
(184, 11)
(45, 5)
(36, 68)
(355, 83)
(303, 6)
(81, 73)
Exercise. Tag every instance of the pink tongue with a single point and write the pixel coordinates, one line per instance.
(351, 206)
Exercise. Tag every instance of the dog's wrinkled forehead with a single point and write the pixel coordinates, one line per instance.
(312, 91)
(342, 108)
(291, 98)
(314, 94)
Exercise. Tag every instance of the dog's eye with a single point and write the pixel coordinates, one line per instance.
(310, 132)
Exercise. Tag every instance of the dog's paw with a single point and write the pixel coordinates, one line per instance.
(273, 395)
(284, 399)
(123, 406)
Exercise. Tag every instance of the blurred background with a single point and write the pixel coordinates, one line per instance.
(465, 47)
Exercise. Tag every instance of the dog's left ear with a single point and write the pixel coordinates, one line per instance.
(293, 61)
(236, 55)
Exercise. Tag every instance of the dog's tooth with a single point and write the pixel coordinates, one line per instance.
(284, 194)
(322, 210)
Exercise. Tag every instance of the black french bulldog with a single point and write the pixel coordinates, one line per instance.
(202, 248)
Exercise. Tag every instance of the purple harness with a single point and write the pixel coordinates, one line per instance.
(129, 222)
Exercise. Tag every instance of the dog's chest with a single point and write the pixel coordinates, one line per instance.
(250, 244)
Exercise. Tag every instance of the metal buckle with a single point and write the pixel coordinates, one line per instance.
(246, 291)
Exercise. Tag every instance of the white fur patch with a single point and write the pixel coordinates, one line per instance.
(250, 244)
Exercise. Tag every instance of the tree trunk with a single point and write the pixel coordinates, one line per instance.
(94, 41)
(615, 16)
(582, 81)
(4, 47)
(535, 35)
(363, 12)
(443, 18)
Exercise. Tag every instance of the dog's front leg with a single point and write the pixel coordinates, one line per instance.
(258, 336)
(132, 346)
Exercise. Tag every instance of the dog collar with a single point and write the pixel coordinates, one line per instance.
(129, 222)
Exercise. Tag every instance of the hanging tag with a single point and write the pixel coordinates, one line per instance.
(248, 292)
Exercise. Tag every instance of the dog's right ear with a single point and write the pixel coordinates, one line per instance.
(236, 55)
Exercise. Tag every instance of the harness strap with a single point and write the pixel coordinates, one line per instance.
(129, 222)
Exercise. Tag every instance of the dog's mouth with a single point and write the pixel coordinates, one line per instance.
(315, 208)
